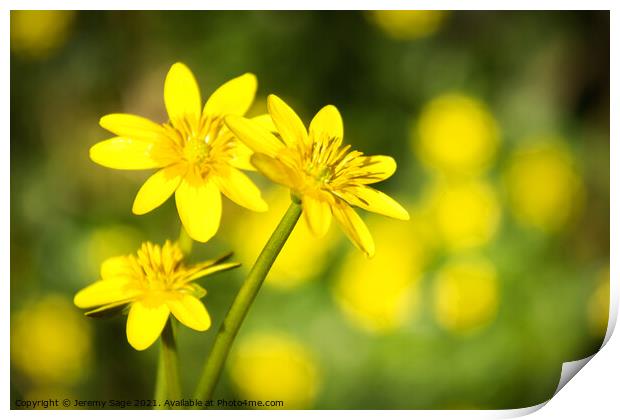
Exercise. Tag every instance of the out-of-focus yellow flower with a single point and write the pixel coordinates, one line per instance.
(408, 24)
(328, 177)
(37, 33)
(272, 367)
(466, 214)
(380, 295)
(466, 294)
(456, 135)
(298, 262)
(153, 284)
(197, 156)
(543, 185)
(50, 342)
(598, 305)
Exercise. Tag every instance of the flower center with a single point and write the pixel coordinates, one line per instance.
(160, 266)
(196, 150)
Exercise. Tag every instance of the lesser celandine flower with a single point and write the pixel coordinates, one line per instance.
(153, 284)
(327, 176)
(198, 156)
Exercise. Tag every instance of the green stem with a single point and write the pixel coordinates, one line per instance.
(240, 306)
(160, 380)
(170, 362)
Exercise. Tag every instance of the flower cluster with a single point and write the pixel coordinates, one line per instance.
(201, 153)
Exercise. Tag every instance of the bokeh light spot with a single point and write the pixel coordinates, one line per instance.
(543, 185)
(274, 366)
(466, 294)
(456, 135)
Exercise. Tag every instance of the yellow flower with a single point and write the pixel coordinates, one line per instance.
(153, 284)
(408, 24)
(328, 177)
(198, 156)
(275, 367)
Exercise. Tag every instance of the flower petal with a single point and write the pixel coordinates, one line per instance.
(134, 127)
(327, 122)
(182, 95)
(239, 188)
(125, 153)
(355, 228)
(241, 153)
(380, 167)
(145, 323)
(318, 215)
(212, 269)
(233, 97)
(190, 311)
(377, 202)
(158, 188)
(254, 135)
(104, 292)
(286, 120)
(200, 207)
(274, 169)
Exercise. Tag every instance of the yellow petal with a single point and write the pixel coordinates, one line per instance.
(275, 170)
(286, 120)
(158, 188)
(318, 215)
(355, 228)
(239, 188)
(381, 167)
(254, 135)
(103, 292)
(200, 207)
(182, 95)
(133, 127)
(116, 267)
(190, 312)
(125, 153)
(211, 270)
(377, 202)
(327, 122)
(233, 97)
(240, 153)
(145, 324)
(265, 121)
(240, 156)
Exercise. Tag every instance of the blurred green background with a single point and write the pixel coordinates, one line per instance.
(499, 122)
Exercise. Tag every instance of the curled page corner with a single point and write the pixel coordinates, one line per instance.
(570, 369)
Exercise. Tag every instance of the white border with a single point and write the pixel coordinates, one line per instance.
(593, 394)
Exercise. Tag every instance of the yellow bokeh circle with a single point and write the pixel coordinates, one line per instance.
(380, 294)
(272, 367)
(465, 214)
(408, 24)
(51, 342)
(456, 134)
(466, 294)
(544, 188)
